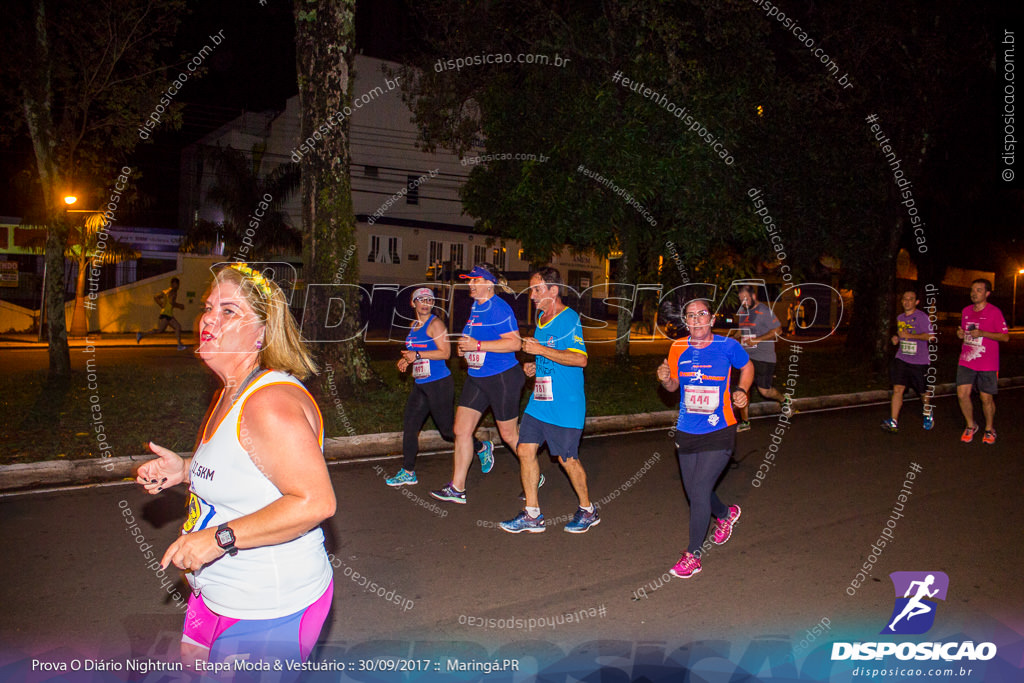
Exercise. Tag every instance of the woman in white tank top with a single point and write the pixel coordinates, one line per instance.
(258, 484)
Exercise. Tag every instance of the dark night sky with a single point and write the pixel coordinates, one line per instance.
(254, 69)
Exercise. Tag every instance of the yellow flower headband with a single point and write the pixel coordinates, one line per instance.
(257, 278)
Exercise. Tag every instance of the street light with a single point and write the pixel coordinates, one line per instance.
(1013, 316)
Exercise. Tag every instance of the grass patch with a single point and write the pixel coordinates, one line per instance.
(141, 403)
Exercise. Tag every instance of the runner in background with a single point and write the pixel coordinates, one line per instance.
(489, 343)
(758, 328)
(907, 369)
(557, 409)
(700, 366)
(982, 327)
(433, 393)
(167, 300)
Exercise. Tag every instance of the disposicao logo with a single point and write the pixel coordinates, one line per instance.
(916, 595)
(913, 613)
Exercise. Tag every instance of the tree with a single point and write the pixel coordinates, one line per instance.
(88, 247)
(241, 191)
(325, 40)
(88, 76)
(604, 139)
(828, 179)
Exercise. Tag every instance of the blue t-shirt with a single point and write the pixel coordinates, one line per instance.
(705, 403)
(487, 322)
(418, 340)
(558, 396)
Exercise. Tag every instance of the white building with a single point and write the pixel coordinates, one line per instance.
(417, 224)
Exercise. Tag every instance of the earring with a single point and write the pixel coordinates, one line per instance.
(259, 344)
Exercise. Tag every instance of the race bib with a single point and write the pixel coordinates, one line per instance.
(199, 514)
(475, 359)
(700, 399)
(542, 390)
(973, 341)
(421, 369)
(908, 346)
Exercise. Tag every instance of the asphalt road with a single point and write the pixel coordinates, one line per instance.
(74, 582)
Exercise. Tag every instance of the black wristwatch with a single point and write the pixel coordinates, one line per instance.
(418, 355)
(226, 539)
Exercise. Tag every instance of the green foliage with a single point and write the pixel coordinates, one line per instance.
(239, 191)
(702, 57)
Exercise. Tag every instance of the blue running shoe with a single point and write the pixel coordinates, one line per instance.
(582, 521)
(403, 478)
(523, 522)
(486, 455)
(450, 494)
(890, 426)
(522, 494)
(929, 421)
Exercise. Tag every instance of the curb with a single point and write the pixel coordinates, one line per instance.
(340, 449)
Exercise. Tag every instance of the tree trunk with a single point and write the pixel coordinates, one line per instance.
(873, 301)
(37, 101)
(325, 40)
(79, 323)
(625, 317)
(53, 286)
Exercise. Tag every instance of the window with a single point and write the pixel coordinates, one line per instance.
(412, 184)
(436, 252)
(370, 171)
(455, 252)
(384, 249)
(479, 254)
(499, 258)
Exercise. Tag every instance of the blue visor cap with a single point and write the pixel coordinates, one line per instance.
(479, 272)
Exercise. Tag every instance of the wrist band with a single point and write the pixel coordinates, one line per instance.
(478, 345)
(743, 390)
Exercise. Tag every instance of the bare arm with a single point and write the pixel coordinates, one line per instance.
(568, 357)
(281, 438)
(439, 334)
(508, 343)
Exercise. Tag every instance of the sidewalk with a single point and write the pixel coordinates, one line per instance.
(339, 449)
(30, 341)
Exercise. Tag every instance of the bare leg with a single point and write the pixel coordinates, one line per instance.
(529, 472)
(988, 407)
(771, 393)
(578, 477)
(466, 420)
(191, 653)
(509, 430)
(963, 396)
(177, 328)
(897, 401)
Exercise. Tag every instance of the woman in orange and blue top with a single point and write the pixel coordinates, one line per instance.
(701, 365)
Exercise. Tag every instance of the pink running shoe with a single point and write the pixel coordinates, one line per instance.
(687, 566)
(723, 527)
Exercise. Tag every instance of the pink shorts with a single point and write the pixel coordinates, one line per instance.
(291, 637)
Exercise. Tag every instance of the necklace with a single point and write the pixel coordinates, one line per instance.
(245, 383)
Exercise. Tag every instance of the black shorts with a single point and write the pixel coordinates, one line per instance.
(764, 373)
(563, 442)
(985, 381)
(166, 317)
(907, 374)
(501, 392)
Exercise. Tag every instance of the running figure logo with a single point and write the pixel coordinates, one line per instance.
(914, 613)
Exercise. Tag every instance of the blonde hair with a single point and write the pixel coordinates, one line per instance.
(282, 344)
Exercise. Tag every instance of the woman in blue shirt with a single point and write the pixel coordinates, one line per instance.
(489, 343)
(700, 366)
(426, 352)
